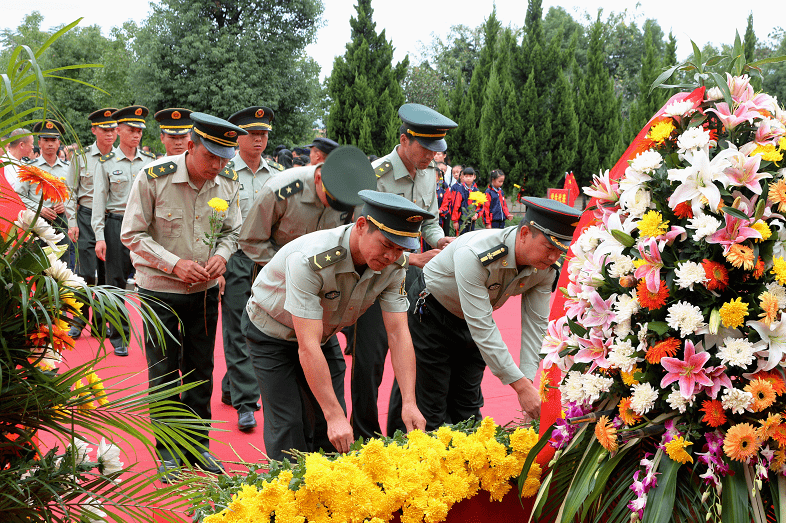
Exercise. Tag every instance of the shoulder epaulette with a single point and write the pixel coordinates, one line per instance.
(149, 155)
(275, 165)
(27, 161)
(229, 172)
(327, 258)
(107, 157)
(492, 254)
(156, 171)
(288, 190)
(383, 168)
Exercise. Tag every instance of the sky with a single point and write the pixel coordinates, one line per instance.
(408, 22)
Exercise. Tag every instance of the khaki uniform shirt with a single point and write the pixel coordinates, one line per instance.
(293, 284)
(393, 177)
(287, 208)
(30, 196)
(166, 220)
(250, 182)
(459, 280)
(80, 181)
(112, 183)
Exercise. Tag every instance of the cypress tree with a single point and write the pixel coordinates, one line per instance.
(646, 104)
(365, 85)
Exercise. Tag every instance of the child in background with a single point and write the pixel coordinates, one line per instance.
(495, 211)
(460, 193)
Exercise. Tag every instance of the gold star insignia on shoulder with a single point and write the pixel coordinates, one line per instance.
(229, 173)
(289, 190)
(107, 157)
(163, 169)
(383, 169)
(492, 254)
(324, 259)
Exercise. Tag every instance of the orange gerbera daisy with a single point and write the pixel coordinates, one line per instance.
(683, 210)
(713, 413)
(627, 415)
(629, 378)
(740, 256)
(51, 187)
(777, 194)
(769, 308)
(667, 347)
(740, 443)
(717, 275)
(768, 426)
(763, 394)
(60, 338)
(779, 460)
(778, 433)
(758, 271)
(544, 386)
(606, 433)
(652, 300)
(775, 378)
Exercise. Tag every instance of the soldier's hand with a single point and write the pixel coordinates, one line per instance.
(529, 399)
(59, 208)
(216, 266)
(222, 285)
(73, 233)
(443, 242)
(340, 433)
(48, 213)
(101, 250)
(420, 259)
(412, 418)
(188, 271)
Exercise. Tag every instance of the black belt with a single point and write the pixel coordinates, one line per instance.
(84, 209)
(114, 216)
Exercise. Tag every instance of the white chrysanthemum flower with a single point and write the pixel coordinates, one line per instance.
(647, 162)
(642, 398)
(779, 291)
(109, 456)
(683, 108)
(39, 227)
(93, 506)
(736, 400)
(684, 317)
(626, 306)
(689, 274)
(62, 274)
(738, 352)
(623, 328)
(642, 333)
(621, 266)
(704, 225)
(81, 450)
(713, 94)
(595, 385)
(571, 387)
(638, 203)
(677, 402)
(693, 139)
(622, 356)
(583, 388)
(589, 239)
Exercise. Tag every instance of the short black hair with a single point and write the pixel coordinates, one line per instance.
(496, 173)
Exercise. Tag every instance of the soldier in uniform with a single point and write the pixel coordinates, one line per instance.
(320, 149)
(298, 202)
(168, 213)
(175, 125)
(111, 187)
(408, 171)
(312, 288)
(451, 320)
(79, 207)
(253, 172)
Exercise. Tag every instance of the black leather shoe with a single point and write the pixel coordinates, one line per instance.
(207, 462)
(74, 333)
(169, 470)
(120, 350)
(246, 421)
(258, 406)
(226, 399)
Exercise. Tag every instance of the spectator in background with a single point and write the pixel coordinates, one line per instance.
(443, 189)
(460, 204)
(36, 153)
(495, 211)
(284, 157)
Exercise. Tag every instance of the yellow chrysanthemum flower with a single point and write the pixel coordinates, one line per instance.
(676, 450)
(768, 152)
(779, 270)
(733, 313)
(218, 204)
(763, 229)
(477, 197)
(660, 131)
(652, 225)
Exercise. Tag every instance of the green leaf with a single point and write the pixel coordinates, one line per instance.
(660, 501)
(576, 329)
(696, 53)
(583, 481)
(736, 213)
(659, 327)
(663, 77)
(602, 477)
(724, 87)
(771, 60)
(735, 496)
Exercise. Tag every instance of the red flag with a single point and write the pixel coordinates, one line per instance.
(572, 187)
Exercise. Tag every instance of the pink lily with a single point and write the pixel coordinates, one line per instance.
(740, 87)
(719, 379)
(650, 270)
(736, 230)
(599, 314)
(673, 233)
(744, 172)
(594, 349)
(690, 372)
(556, 340)
(745, 112)
(603, 188)
(770, 131)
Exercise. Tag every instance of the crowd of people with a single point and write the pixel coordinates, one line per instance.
(293, 250)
